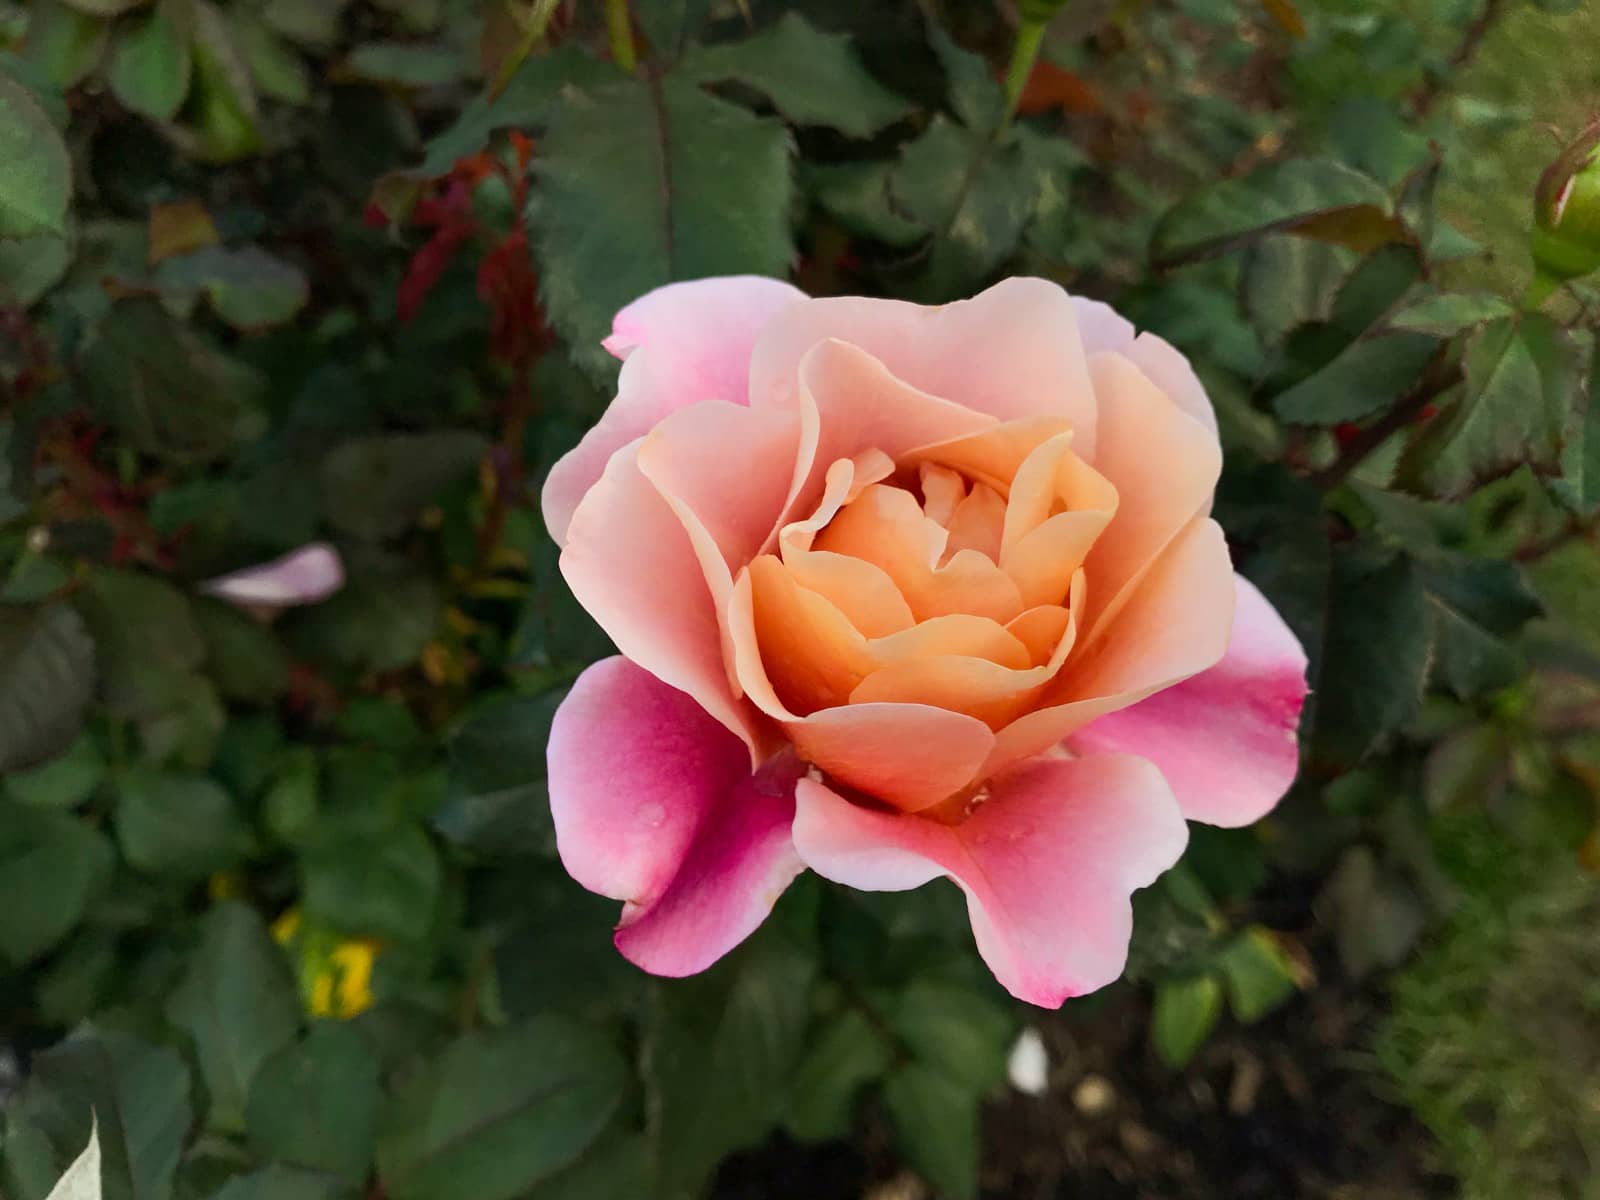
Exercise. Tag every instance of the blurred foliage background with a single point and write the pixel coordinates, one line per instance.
(281, 900)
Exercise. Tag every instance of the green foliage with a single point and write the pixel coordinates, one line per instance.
(285, 911)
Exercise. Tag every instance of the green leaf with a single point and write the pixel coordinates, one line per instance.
(956, 1030)
(847, 1055)
(856, 194)
(237, 1002)
(227, 121)
(975, 98)
(1259, 973)
(246, 659)
(1378, 284)
(1309, 197)
(137, 1094)
(526, 102)
(105, 8)
(374, 487)
(280, 1183)
(315, 1104)
(31, 266)
(811, 77)
(47, 665)
(1286, 282)
(379, 886)
(1366, 379)
(379, 620)
(63, 782)
(935, 1124)
(177, 824)
(405, 64)
(617, 1169)
(498, 1113)
(51, 867)
(64, 43)
(1186, 1011)
(498, 801)
(976, 199)
(144, 371)
(276, 66)
(726, 1044)
(1476, 604)
(669, 24)
(37, 181)
(150, 64)
(1447, 313)
(1376, 650)
(1376, 918)
(310, 23)
(639, 185)
(1521, 391)
(149, 643)
(247, 287)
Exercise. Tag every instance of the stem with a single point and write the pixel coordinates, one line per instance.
(1434, 382)
(1030, 36)
(1425, 97)
(619, 28)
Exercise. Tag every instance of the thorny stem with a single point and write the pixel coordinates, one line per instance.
(1435, 381)
(620, 30)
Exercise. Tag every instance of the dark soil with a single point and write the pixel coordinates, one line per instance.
(1291, 1108)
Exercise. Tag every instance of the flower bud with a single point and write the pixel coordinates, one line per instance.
(1566, 235)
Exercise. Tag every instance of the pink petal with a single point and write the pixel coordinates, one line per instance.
(1226, 739)
(304, 576)
(1048, 863)
(1012, 351)
(733, 874)
(1103, 328)
(631, 564)
(654, 804)
(682, 343)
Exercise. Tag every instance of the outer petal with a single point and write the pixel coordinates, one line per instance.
(1012, 351)
(682, 343)
(632, 565)
(1048, 863)
(1103, 328)
(304, 576)
(654, 804)
(1226, 738)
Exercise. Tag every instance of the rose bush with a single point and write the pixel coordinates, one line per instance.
(903, 592)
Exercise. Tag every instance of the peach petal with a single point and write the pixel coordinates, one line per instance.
(992, 455)
(977, 523)
(1164, 466)
(975, 686)
(959, 634)
(1034, 493)
(812, 654)
(942, 490)
(1011, 351)
(1044, 561)
(1175, 626)
(1226, 739)
(861, 591)
(682, 343)
(631, 564)
(726, 470)
(907, 755)
(1102, 328)
(846, 478)
(1047, 863)
(1040, 630)
(969, 583)
(850, 403)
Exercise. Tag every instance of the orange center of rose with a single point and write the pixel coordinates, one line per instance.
(952, 577)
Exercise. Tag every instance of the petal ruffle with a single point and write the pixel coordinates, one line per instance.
(654, 804)
(681, 344)
(1226, 739)
(1103, 328)
(1048, 863)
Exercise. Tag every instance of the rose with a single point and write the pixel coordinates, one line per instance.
(904, 592)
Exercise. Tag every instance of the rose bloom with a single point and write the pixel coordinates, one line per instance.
(901, 593)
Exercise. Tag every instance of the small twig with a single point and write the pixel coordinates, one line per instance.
(1024, 53)
(1435, 380)
(1434, 87)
